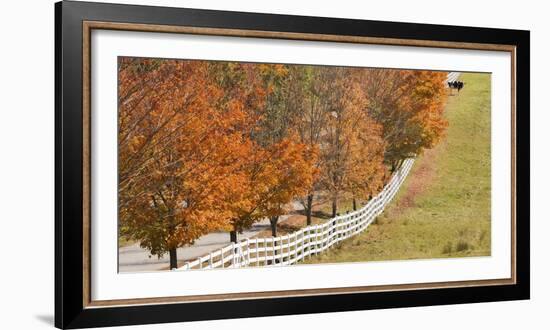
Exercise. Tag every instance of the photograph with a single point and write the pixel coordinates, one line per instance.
(216, 164)
(228, 164)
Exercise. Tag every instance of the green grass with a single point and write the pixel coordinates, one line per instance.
(443, 209)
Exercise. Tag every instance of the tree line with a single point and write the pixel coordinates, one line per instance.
(207, 146)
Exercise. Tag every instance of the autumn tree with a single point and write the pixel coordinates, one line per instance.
(179, 150)
(281, 167)
(351, 145)
(292, 166)
(275, 161)
(276, 174)
(409, 106)
(307, 94)
(291, 159)
(364, 171)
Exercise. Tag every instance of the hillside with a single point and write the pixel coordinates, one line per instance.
(443, 209)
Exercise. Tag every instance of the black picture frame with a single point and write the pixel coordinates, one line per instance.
(70, 309)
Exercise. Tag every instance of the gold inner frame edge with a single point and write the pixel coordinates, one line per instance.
(88, 26)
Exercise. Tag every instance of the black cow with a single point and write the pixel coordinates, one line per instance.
(458, 85)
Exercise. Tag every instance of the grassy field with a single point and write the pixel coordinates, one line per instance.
(443, 209)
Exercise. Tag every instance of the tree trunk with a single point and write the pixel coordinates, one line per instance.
(173, 258)
(309, 208)
(273, 221)
(233, 236)
(334, 206)
(354, 204)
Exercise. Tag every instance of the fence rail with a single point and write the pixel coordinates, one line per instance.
(311, 240)
(452, 76)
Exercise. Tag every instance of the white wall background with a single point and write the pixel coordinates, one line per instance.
(27, 169)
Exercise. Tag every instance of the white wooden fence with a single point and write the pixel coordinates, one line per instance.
(291, 248)
(452, 76)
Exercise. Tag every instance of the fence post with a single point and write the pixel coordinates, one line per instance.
(295, 246)
(302, 247)
(247, 251)
(233, 254)
(342, 225)
(281, 251)
(288, 248)
(272, 251)
(332, 232)
(265, 252)
(257, 245)
(308, 244)
(311, 242)
(324, 231)
(320, 238)
(346, 225)
(314, 238)
(326, 234)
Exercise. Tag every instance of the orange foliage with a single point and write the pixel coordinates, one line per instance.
(353, 152)
(275, 174)
(409, 106)
(209, 146)
(179, 151)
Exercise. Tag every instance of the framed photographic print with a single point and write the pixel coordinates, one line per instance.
(214, 164)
